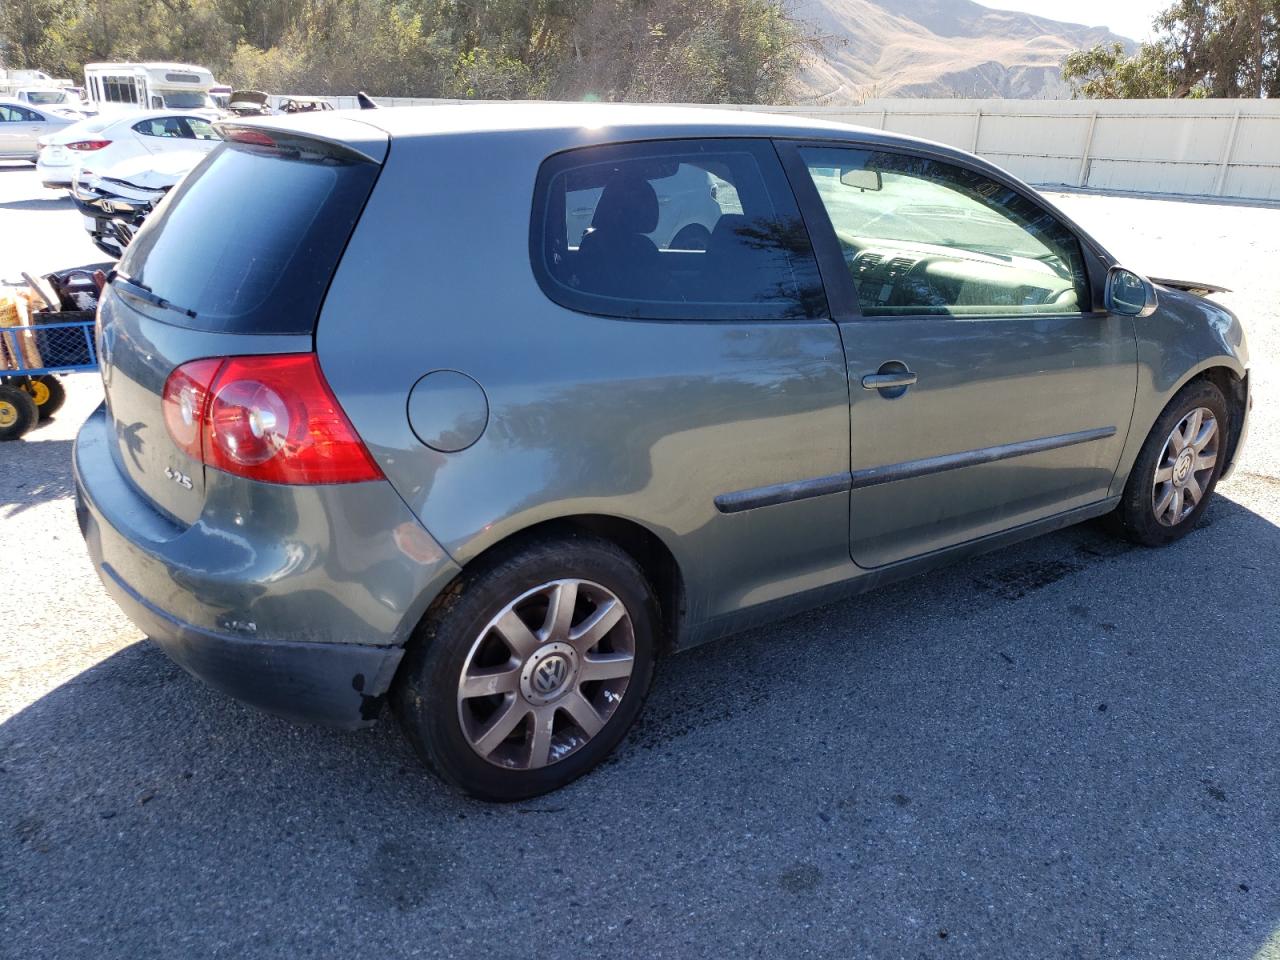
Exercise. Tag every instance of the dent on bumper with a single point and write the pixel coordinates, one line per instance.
(297, 600)
(336, 684)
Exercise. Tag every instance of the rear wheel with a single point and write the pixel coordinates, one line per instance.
(530, 670)
(18, 412)
(1178, 467)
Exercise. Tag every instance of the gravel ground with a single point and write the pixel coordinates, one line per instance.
(1066, 749)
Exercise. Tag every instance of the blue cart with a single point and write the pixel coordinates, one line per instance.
(55, 342)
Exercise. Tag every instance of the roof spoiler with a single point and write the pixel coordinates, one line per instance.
(289, 138)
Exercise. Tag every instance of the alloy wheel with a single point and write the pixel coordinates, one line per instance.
(546, 674)
(1185, 467)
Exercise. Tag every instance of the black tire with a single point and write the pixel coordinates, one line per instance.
(1136, 515)
(48, 393)
(18, 412)
(426, 692)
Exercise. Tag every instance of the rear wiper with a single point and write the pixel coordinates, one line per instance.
(141, 291)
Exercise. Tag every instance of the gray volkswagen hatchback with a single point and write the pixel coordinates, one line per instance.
(482, 409)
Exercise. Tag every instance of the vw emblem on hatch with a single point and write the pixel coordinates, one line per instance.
(550, 674)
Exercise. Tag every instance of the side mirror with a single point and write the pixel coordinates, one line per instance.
(861, 178)
(1129, 294)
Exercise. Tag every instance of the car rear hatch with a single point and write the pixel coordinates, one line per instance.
(235, 262)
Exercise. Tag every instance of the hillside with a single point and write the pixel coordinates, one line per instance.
(938, 48)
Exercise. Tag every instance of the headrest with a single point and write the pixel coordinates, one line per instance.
(627, 204)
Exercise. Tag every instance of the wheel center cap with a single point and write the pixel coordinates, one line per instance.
(549, 673)
(1182, 467)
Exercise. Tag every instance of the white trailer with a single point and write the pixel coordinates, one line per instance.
(122, 87)
(13, 82)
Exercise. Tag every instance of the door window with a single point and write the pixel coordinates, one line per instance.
(12, 114)
(925, 237)
(691, 229)
(198, 129)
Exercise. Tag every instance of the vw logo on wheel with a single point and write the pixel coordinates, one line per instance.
(550, 674)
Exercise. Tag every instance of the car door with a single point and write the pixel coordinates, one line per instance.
(19, 130)
(988, 389)
(8, 131)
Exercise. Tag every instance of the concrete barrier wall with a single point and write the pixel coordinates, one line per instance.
(1212, 148)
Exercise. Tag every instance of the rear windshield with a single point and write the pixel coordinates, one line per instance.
(249, 241)
(41, 97)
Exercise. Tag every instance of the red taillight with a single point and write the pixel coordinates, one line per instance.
(185, 400)
(269, 418)
(86, 145)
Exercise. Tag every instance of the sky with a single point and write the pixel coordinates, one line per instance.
(1129, 18)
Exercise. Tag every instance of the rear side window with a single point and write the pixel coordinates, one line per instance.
(673, 230)
(249, 241)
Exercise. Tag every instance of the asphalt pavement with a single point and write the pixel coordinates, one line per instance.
(1068, 748)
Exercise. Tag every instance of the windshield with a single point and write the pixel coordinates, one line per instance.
(912, 209)
(187, 101)
(44, 97)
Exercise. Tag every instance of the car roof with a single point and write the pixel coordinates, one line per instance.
(565, 126)
(581, 124)
(609, 118)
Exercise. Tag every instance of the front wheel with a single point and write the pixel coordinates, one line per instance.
(529, 670)
(1177, 468)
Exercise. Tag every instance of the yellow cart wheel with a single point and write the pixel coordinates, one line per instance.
(48, 393)
(18, 412)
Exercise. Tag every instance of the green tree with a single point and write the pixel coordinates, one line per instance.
(1203, 48)
(709, 51)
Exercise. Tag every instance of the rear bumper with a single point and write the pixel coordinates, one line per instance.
(335, 684)
(295, 600)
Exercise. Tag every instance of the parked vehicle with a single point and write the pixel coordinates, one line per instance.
(115, 203)
(129, 87)
(379, 439)
(22, 125)
(220, 94)
(64, 103)
(96, 145)
(11, 81)
(250, 103)
(303, 105)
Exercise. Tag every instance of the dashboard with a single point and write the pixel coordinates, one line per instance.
(894, 278)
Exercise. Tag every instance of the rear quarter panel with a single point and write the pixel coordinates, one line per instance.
(645, 421)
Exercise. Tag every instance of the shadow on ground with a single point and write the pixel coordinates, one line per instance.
(44, 203)
(34, 471)
(1065, 749)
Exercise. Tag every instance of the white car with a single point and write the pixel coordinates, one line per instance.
(64, 102)
(94, 145)
(22, 126)
(114, 203)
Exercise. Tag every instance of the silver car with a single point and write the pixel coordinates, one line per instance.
(22, 124)
(391, 415)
